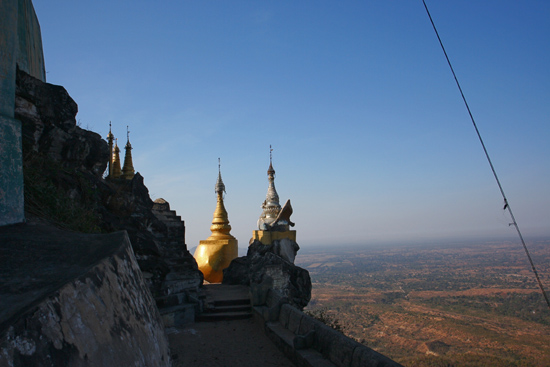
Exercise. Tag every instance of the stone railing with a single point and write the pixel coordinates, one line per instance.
(309, 342)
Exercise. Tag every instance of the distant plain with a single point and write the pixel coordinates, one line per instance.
(461, 304)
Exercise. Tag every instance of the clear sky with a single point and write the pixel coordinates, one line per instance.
(372, 142)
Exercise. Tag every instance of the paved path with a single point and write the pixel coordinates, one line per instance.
(224, 344)
(240, 343)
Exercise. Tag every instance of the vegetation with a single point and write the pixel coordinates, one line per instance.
(49, 195)
(474, 305)
(325, 317)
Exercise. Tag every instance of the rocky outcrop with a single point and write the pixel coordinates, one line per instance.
(64, 165)
(264, 269)
(69, 299)
(49, 126)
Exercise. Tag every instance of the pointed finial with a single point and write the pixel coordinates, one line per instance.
(270, 170)
(220, 187)
(128, 132)
(110, 136)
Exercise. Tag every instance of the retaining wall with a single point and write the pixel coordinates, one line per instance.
(309, 342)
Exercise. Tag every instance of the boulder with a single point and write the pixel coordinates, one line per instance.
(263, 269)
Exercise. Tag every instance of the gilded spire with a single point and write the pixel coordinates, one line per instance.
(110, 139)
(116, 172)
(220, 224)
(216, 252)
(220, 187)
(270, 206)
(128, 168)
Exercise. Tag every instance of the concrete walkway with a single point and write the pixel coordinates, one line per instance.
(230, 343)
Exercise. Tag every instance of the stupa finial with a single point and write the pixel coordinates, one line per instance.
(220, 187)
(128, 168)
(270, 170)
(220, 224)
(271, 206)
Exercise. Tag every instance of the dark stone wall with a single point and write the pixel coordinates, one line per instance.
(20, 44)
(104, 317)
(30, 55)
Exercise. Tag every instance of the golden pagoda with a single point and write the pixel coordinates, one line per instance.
(115, 165)
(274, 221)
(216, 252)
(128, 168)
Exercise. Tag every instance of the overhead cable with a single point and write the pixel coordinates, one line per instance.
(506, 203)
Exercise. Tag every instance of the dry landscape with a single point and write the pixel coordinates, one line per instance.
(474, 304)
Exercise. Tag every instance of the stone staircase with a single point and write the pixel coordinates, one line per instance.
(179, 301)
(225, 302)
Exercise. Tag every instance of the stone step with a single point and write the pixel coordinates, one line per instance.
(178, 315)
(223, 316)
(229, 302)
(229, 308)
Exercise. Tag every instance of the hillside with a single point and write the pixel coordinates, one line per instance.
(473, 305)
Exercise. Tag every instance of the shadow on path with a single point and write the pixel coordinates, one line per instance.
(223, 344)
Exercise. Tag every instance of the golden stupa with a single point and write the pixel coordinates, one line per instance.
(216, 252)
(115, 168)
(128, 168)
(114, 171)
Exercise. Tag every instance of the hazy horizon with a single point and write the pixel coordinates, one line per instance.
(372, 142)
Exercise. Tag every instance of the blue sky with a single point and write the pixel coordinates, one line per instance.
(372, 142)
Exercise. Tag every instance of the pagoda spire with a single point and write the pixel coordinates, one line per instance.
(270, 206)
(116, 172)
(110, 140)
(128, 168)
(216, 252)
(220, 224)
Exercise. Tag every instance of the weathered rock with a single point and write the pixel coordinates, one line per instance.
(262, 269)
(67, 164)
(48, 116)
(237, 272)
(68, 299)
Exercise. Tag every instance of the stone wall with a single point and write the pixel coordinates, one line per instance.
(308, 342)
(105, 316)
(20, 44)
(30, 56)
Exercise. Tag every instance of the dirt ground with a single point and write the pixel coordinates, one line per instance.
(224, 344)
